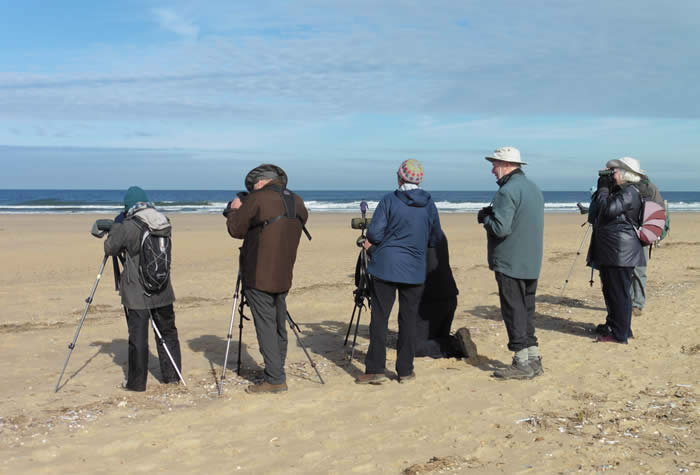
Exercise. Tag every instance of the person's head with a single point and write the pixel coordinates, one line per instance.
(626, 170)
(410, 171)
(261, 175)
(505, 160)
(134, 195)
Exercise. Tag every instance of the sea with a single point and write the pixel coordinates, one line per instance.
(319, 201)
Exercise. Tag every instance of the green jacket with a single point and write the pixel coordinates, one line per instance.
(515, 228)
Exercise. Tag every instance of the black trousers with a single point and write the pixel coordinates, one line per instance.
(433, 327)
(138, 320)
(383, 297)
(518, 310)
(270, 317)
(618, 300)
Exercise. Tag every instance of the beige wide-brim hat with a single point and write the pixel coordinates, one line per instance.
(506, 154)
(627, 163)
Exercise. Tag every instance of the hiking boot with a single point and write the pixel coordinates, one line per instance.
(636, 311)
(536, 365)
(466, 344)
(603, 330)
(609, 339)
(266, 388)
(517, 370)
(371, 378)
(406, 379)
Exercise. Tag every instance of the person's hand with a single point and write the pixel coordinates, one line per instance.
(366, 244)
(483, 212)
(606, 181)
(236, 203)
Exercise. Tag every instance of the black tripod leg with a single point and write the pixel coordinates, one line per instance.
(294, 327)
(240, 333)
(352, 318)
(88, 301)
(354, 338)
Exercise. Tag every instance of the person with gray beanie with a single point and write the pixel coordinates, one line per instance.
(270, 219)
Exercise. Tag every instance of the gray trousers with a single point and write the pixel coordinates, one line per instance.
(270, 318)
(639, 284)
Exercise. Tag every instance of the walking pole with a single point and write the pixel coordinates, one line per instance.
(88, 301)
(162, 342)
(230, 334)
(294, 327)
(578, 253)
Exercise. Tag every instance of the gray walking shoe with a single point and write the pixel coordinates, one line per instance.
(517, 370)
(536, 365)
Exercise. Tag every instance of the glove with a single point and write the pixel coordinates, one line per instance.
(483, 212)
(606, 181)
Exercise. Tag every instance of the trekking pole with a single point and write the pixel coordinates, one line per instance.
(162, 342)
(578, 253)
(294, 327)
(230, 334)
(88, 301)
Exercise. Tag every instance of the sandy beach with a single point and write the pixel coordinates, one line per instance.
(598, 407)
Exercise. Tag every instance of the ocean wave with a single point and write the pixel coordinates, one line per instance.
(318, 206)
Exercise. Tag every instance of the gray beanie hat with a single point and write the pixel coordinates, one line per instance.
(266, 171)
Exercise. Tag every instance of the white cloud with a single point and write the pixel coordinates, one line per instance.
(171, 21)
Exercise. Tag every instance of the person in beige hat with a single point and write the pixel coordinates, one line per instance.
(514, 225)
(615, 248)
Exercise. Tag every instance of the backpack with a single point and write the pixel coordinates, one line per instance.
(155, 253)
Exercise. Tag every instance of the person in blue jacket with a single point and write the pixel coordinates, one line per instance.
(404, 224)
(514, 226)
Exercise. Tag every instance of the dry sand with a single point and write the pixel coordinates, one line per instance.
(628, 408)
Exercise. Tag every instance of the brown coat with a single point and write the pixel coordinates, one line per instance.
(268, 253)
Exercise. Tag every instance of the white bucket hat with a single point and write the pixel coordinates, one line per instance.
(627, 163)
(506, 154)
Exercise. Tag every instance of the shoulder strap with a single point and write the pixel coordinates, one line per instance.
(290, 210)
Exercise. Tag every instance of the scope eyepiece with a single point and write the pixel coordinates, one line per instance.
(606, 172)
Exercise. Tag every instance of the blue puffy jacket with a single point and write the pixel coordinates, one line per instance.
(403, 226)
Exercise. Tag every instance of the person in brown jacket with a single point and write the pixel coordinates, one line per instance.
(269, 219)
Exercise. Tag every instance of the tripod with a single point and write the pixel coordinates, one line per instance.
(88, 301)
(361, 292)
(578, 253)
(240, 306)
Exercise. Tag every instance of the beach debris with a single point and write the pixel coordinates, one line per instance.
(443, 464)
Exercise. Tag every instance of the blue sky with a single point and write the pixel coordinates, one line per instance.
(192, 95)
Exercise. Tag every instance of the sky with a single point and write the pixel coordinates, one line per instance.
(192, 95)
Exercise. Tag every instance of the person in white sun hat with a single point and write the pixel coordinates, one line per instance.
(615, 248)
(514, 225)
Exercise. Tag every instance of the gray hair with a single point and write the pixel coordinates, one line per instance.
(628, 176)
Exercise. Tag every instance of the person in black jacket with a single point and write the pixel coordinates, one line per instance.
(436, 310)
(615, 248)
